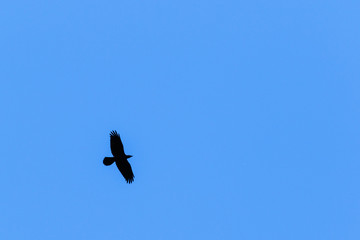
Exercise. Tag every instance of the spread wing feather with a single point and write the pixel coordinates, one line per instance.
(117, 148)
(125, 169)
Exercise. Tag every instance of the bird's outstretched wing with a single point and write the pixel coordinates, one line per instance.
(117, 148)
(125, 169)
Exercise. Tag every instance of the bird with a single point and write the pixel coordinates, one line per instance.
(120, 158)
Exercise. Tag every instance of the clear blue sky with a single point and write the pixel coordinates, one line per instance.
(243, 118)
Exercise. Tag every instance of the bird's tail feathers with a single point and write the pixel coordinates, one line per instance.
(108, 161)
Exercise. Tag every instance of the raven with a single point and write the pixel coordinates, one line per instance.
(120, 158)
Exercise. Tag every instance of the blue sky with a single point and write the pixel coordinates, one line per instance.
(242, 116)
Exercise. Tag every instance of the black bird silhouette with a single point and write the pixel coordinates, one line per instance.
(120, 158)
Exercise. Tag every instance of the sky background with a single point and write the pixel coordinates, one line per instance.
(243, 118)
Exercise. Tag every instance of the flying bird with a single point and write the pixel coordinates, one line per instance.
(120, 158)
